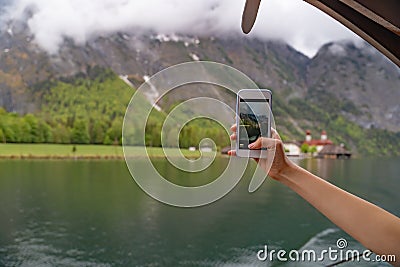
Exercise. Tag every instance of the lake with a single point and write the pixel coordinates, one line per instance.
(92, 213)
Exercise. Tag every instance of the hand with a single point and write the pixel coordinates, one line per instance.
(280, 162)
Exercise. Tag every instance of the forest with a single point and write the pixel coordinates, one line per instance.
(89, 109)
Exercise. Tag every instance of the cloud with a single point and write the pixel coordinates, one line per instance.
(294, 21)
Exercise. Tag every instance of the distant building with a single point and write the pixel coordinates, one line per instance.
(334, 151)
(292, 149)
(318, 143)
(325, 147)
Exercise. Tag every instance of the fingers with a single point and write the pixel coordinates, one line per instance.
(232, 153)
(263, 142)
(233, 129)
(275, 134)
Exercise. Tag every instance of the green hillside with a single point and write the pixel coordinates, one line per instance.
(89, 109)
(81, 110)
(317, 117)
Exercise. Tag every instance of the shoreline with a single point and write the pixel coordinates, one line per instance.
(83, 157)
(60, 157)
(87, 152)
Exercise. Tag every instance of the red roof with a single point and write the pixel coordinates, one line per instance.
(318, 142)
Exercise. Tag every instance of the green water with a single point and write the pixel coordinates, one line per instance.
(91, 213)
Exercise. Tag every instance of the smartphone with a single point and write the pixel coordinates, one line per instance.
(253, 120)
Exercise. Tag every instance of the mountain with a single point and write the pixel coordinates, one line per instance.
(351, 91)
(366, 84)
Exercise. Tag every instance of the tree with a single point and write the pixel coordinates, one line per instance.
(132, 135)
(153, 132)
(98, 132)
(45, 133)
(61, 134)
(24, 134)
(185, 136)
(312, 149)
(15, 127)
(80, 132)
(2, 136)
(9, 134)
(30, 131)
(114, 133)
(171, 137)
(304, 148)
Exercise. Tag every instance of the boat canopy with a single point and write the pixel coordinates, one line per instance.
(377, 22)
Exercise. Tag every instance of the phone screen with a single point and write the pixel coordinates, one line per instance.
(253, 120)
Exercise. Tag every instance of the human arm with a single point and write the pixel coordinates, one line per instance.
(375, 228)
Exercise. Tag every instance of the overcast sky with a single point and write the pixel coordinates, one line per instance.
(298, 23)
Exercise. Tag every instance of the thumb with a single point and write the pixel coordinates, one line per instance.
(275, 134)
(257, 144)
(263, 142)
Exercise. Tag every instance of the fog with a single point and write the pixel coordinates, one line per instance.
(293, 21)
